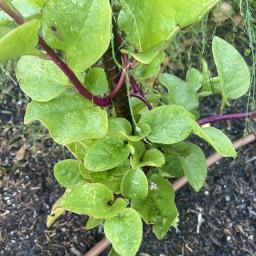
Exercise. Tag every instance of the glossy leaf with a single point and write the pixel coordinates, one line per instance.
(233, 71)
(124, 231)
(142, 130)
(119, 126)
(169, 124)
(106, 154)
(79, 28)
(189, 12)
(151, 157)
(93, 223)
(27, 8)
(67, 173)
(215, 137)
(92, 199)
(158, 208)
(179, 92)
(144, 71)
(113, 253)
(40, 79)
(38, 2)
(139, 18)
(111, 178)
(194, 79)
(172, 167)
(20, 41)
(194, 166)
(69, 118)
(135, 185)
(96, 81)
(79, 148)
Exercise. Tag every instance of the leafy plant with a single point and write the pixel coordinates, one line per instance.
(86, 65)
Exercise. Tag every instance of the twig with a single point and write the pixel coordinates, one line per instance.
(18, 18)
(104, 243)
(222, 117)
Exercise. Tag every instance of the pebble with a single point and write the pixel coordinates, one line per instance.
(227, 198)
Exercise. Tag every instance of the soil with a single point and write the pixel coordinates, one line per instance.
(218, 221)
(226, 206)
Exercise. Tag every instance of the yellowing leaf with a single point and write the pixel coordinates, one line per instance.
(92, 199)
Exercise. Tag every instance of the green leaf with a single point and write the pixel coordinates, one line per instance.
(111, 178)
(124, 231)
(96, 81)
(194, 79)
(144, 71)
(79, 148)
(169, 124)
(81, 29)
(153, 157)
(137, 149)
(92, 199)
(113, 253)
(4, 30)
(150, 24)
(106, 154)
(68, 174)
(142, 130)
(135, 185)
(139, 18)
(119, 126)
(69, 117)
(158, 208)
(189, 12)
(194, 165)
(179, 92)
(40, 79)
(27, 8)
(39, 3)
(233, 71)
(20, 41)
(146, 57)
(93, 223)
(172, 167)
(219, 141)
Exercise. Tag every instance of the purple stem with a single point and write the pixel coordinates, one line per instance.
(142, 98)
(137, 92)
(222, 117)
(18, 18)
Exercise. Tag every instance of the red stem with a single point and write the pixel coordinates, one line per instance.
(142, 98)
(15, 15)
(71, 75)
(222, 117)
(137, 92)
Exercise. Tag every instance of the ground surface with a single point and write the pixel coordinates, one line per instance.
(226, 205)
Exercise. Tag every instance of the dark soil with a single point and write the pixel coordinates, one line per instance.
(226, 207)
(227, 204)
